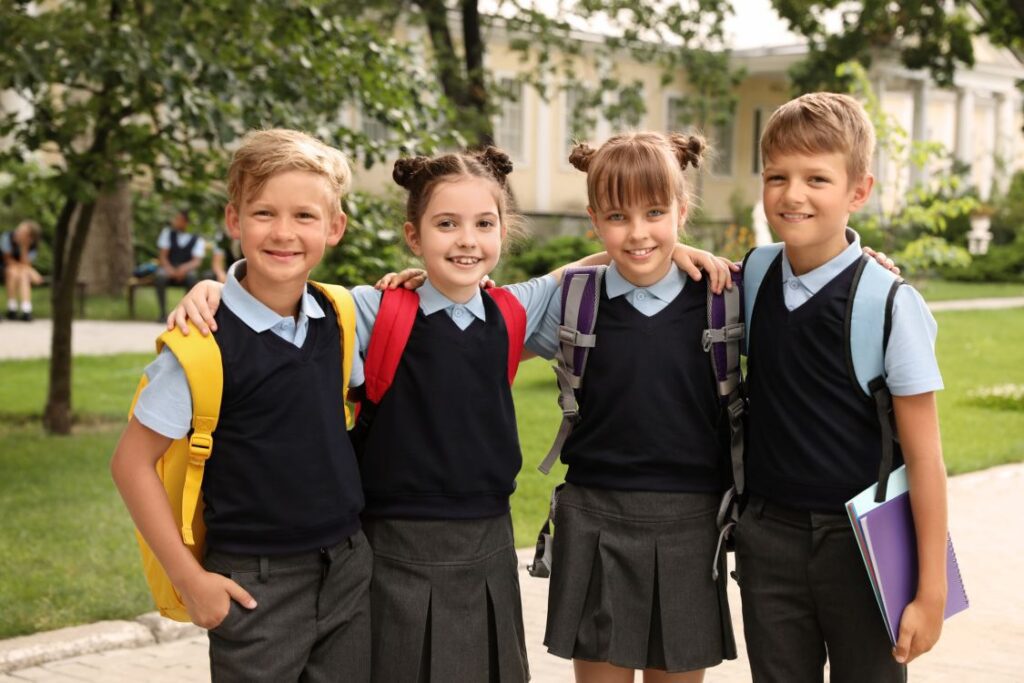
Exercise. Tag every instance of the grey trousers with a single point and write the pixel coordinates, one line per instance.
(807, 598)
(312, 620)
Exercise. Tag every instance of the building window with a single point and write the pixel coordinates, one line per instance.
(575, 122)
(676, 116)
(372, 128)
(508, 125)
(719, 136)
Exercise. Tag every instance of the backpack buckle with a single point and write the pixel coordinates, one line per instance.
(573, 337)
(199, 447)
(736, 409)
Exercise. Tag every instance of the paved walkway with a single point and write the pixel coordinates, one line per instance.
(983, 644)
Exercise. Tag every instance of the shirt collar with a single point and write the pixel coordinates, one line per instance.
(432, 301)
(253, 312)
(814, 280)
(665, 289)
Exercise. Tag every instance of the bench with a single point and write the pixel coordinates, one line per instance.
(80, 289)
(135, 283)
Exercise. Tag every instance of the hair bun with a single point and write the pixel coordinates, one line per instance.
(498, 161)
(407, 168)
(581, 155)
(689, 149)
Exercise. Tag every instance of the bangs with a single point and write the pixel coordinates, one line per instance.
(629, 175)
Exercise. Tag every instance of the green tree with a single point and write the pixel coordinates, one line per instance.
(925, 34)
(157, 91)
(675, 36)
(922, 210)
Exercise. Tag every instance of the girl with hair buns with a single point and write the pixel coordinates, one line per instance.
(439, 460)
(439, 453)
(631, 585)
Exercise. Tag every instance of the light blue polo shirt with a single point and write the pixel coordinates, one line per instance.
(165, 404)
(910, 364)
(647, 300)
(535, 296)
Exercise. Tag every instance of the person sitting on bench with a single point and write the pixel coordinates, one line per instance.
(19, 248)
(181, 252)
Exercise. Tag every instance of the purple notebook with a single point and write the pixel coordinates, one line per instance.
(891, 556)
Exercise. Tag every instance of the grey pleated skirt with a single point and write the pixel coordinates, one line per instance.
(445, 602)
(631, 581)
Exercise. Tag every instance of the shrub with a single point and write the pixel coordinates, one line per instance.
(1002, 263)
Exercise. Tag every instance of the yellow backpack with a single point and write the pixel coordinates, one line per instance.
(181, 466)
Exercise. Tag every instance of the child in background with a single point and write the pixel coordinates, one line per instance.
(631, 585)
(18, 249)
(812, 441)
(284, 585)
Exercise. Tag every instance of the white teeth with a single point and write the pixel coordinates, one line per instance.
(795, 216)
(465, 260)
(640, 252)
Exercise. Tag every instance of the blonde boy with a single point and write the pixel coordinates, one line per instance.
(284, 584)
(813, 442)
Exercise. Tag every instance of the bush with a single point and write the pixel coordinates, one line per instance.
(1002, 263)
(535, 257)
(1008, 220)
(373, 244)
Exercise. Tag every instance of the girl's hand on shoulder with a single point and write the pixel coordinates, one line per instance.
(199, 307)
(882, 260)
(920, 627)
(719, 269)
(410, 278)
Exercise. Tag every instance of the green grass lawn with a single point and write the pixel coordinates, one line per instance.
(116, 308)
(948, 290)
(101, 307)
(70, 556)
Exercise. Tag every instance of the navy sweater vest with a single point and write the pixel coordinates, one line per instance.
(181, 247)
(283, 476)
(813, 440)
(443, 443)
(649, 413)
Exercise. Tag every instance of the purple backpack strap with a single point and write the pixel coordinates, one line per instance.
(723, 341)
(581, 293)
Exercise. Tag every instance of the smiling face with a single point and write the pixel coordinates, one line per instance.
(459, 235)
(808, 199)
(640, 238)
(284, 231)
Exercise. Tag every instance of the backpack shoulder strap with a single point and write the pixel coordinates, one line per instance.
(200, 357)
(581, 294)
(515, 323)
(755, 267)
(345, 312)
(722, 342)
(387, 342)
(867, 323)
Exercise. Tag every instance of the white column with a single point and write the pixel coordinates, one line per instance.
(964, 125)
(542, 157)
(1005, 149)
(879, 198)
(919, 174)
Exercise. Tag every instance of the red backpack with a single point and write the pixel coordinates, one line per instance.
(394, 324)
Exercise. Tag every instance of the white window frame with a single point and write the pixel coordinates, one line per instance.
(520, 156)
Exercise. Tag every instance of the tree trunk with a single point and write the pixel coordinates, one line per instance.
(109, 259)
(57, 416)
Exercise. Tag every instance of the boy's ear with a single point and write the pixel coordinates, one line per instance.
(861, 192)
(412, 238)
(336, 229)
(231, 221)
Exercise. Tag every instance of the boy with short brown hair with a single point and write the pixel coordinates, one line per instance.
(284, 584)
(813, 441)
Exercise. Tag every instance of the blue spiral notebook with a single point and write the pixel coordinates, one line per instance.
(888, 544)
